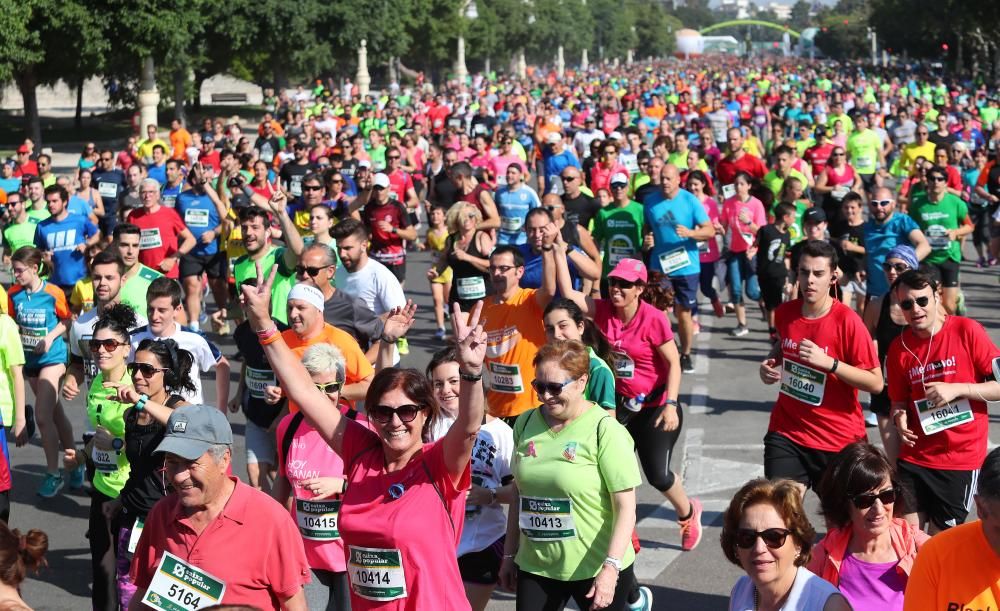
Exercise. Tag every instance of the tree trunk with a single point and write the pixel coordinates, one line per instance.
(78, 117)
(959, 54)
(27, 83)
(280, 76)
(199, 80)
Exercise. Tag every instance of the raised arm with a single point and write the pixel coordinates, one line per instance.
(471, 349)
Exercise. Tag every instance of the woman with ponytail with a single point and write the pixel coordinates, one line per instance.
(18, 555)
(160, 373)
(564, 320)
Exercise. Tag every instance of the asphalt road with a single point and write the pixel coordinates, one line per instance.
(722, 449)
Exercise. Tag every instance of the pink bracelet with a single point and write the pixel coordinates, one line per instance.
(271, 337)
(266, 332)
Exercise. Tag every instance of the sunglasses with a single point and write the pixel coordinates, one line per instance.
(383, 413)
(907, 304)
(145, 369)
(329, 388)
(392, 157)
(866, 500)
(378, 188)
(899, 268)
(552, 388)
(622, 284)
(838, 155)
(312, 188)
(336, 182)
(107, 344)
(503, 269)
(568, 178)
(937, 178)
(881, 203)
(312, 271)
(773, 537)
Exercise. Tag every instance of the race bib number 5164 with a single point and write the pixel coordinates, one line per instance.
(179, 586)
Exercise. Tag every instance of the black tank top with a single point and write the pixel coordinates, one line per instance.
(466, 277)
(145, 482)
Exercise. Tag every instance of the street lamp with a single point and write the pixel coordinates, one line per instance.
(469, 11)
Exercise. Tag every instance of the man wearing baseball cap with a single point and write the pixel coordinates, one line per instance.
(556, 158)
(25, 165)
(215, 539)
(618, 227)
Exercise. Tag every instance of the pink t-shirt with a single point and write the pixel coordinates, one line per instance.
(600, 176)
(739, 234)
(638, 366)
(424, 524)
(498, 166)
(708, 251)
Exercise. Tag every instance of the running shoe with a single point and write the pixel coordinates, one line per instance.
(739, 331)
(960, 308)
(645, 601)
(686, 365)
(403, 346)
(51, 486)
(717, 307)
(439, 334)
(691, 527)
(76, 478)
(981, 263)
(991, 262)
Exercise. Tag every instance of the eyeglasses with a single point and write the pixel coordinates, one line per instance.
(838, 155)
(145, 369)
(331, 388)
(392, 157)
(899, 268)
(108, 344)
(553, 388)
(312, 271)
(866, 500)
(568, 178)
(937, 178)
(622, 284)
(383, 413)
(503, 269)
(312, 188)
(922, 301)
(773, 537)
(881, 203)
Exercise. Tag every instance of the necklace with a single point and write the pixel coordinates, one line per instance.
(756, 599)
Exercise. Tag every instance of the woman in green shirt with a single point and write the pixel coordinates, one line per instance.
(573, 511)
(565, 321)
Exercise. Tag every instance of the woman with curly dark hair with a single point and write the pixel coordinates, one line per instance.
(19, 554)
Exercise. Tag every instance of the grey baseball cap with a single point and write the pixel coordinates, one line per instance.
(193, 429)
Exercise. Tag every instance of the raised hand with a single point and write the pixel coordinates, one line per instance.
(470, 337)
(398, 321)
(258, 300)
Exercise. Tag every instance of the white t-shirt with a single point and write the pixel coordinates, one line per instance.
(809, 593)
(80, 334)
(374, 285)
(491, 456)
(205, 354)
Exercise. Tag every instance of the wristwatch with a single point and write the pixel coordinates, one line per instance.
(614, 563)
(141, 403)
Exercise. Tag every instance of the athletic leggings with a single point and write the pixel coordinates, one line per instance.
(654, 445)
(537, 593)
(340, 590)
(102, 555)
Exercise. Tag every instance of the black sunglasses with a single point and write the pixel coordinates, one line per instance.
(108, 344)
(383, 413)
(312, 188)
(145, 369)
(624, 284)
(773, 537)
(329, 388)
(312, 271)
(936, 178)
(568, 178)
(899, 268)
(553, 388)
(922, 301)
(866, 500)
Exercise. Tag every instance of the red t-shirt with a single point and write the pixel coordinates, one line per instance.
(961, 352)
(727, 168)
(400, 182)
(386, 247)
(438, 115)
(210, 159)
(815, 409)
(159, 236)
(29, 168)
(600, 176)
(818, 156)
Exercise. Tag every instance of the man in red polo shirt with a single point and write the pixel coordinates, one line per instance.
(25, 165)
(215, 539)
(164, 238)
(738, 160)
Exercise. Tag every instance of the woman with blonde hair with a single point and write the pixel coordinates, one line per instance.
(467, 253)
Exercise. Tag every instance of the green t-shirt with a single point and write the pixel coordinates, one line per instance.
(935, 220)
(774, 182)
(38, 215)
(103, 410)
(18, 235)
(133, 291)
(11, 354)
(988, 114)
(565, 482)
(618, 232)
(284, 280)
(846, 120)
(600, 383)
(863, 148)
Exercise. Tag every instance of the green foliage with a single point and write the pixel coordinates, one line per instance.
(844, 35)
(799, 19)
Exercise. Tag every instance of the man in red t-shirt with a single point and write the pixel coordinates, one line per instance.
(438, 114)
(25, 166)
(389, 224)
(738, 160)
(819, 154)
(400, 181)
(164, 238)
(823, 355)
(941, 371)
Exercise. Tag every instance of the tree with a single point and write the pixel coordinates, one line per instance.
(654, 29)
(799, 18)
(696, 14)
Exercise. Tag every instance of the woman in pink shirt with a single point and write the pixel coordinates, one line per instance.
(742, 215)
(708, 251)
(608, 166)
(402, 514)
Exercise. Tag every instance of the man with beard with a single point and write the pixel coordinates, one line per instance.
(883, 230)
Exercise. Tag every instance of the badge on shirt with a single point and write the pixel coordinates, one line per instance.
(179, 586)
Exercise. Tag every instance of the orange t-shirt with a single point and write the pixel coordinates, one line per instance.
(955, 569)
(514, 334)
(356, 364)
(180, 140)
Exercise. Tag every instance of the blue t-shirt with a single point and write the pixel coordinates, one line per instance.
(532, 278)
(10, 185)
(168, 194)
(554, 165)
(62, 238)
(200, 216)
(513, 207)
(79, 205)
(672, 254)
(36, 314)
(159, 172)
(880, 238)
(110, 184)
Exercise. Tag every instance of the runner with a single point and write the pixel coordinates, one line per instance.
(883, 231)
(514, 200)
(466, 254)
(618, 228)
(63, 239)
(136, 277)
(202, 211)
(165, 239)
(388, 224)
(741, 217)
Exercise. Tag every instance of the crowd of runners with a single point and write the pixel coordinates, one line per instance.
(581, 229)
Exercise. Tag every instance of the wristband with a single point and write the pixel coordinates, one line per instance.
(470, 377)
(836, 364)
(493, 496)
(270, 339)
(506, 556)
(672, 402)
(263, 333)
(141, 403)
(614, 563)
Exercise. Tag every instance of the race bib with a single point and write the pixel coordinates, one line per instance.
(390, 258)
(471, 288)
(108, 189)
(942, 417)
(133, 537)
(937, 237)
(542, 519)
(150, 238)
(196, 218)
(675, 259)
(105, 461)
(802, 382)
(620, 249)
(179, 586)
(623, 364)
(728, 191)
(505, 378)
(170, 201)
(317, 520)
(511, 223)
(838, 193)
(31, 337)
(376, 574)
(863, 162)
(258, 379)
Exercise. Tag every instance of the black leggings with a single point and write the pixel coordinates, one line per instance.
(340, 590)
(654, 445)
(103, 567)
(537, 593)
